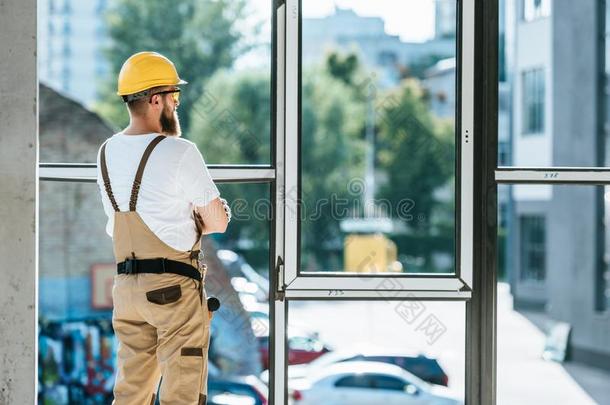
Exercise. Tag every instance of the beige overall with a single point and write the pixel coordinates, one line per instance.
(161, 320)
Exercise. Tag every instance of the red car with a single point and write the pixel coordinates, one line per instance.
(302, 348)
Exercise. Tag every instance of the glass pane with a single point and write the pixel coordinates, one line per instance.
(376, 352)
(377, 136)
(553, 94)
(78, 348)
(553, 294)
(222, 48)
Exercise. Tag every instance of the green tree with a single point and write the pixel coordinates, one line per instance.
(342, 67)
(332, 157)
(415, 151)
(231, 121)
(418, 68)
(199, 36)
(231, 124)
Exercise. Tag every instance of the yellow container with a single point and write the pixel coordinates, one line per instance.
(372, 253)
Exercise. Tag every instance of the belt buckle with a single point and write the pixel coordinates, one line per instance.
(131, 266)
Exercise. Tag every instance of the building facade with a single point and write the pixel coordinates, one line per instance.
(71, 32)
(557, 238)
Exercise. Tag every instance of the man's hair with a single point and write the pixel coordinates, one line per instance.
(138, 107)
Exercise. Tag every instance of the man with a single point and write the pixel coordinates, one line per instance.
(158, 205)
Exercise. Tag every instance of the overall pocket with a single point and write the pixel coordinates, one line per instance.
(165, 295)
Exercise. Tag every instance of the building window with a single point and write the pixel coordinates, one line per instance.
(67, 29)
(387, 58)
(533, 101)
(532, 248)
(535, 9)
(65, 78)
(67, 8)
(101, 6)
(503, 153)
(66, 51)
(606, 290)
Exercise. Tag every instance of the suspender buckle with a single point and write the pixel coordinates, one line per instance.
(131, 266)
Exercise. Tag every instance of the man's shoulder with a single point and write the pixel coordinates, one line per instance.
(181, 142)
(177, 146)
(170, 149)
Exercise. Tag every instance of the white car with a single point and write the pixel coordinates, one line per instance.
(366, 383)
(367, 352)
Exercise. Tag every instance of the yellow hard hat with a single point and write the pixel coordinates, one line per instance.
(145, 70)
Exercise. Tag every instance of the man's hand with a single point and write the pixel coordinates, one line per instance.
(214, 216)
(225, 205)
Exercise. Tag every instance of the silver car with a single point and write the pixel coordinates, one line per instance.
(365, 383)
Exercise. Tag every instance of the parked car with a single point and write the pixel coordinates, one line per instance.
(365, 383)
(259, 318)
(303, 346)
(426, 368)
(237, 266)
(240, 390)
(249, 293)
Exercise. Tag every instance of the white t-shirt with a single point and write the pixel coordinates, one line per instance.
(174, 181)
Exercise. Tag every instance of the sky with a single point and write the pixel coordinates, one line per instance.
(412, 20)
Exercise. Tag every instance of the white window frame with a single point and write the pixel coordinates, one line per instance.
(295, 284)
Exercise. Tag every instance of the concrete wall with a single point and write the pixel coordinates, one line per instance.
(18, 185)
(572, 215)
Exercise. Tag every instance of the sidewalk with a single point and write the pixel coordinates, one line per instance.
(525, 378)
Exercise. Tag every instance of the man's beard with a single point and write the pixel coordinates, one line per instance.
(170, 124)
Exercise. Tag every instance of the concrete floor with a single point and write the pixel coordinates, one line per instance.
(523, 376)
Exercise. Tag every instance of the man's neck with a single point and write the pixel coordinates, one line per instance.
(131, 133)
(141, 128)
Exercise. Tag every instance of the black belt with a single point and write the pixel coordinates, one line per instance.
(161, 265)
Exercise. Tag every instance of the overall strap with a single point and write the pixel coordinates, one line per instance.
(138, 180)
(106, 178)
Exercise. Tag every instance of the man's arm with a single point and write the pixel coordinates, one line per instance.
(196, 185)
(215, 216)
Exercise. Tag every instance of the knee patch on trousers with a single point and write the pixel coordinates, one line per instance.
(191, 371)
